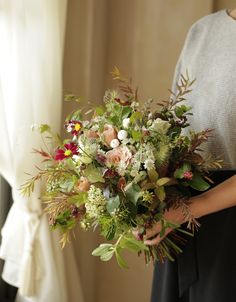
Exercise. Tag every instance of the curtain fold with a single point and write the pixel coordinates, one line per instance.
(7, 292)
(31, 93)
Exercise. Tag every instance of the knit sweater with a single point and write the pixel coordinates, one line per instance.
(209, 55)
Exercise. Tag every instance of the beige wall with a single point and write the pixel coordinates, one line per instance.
(143, 38)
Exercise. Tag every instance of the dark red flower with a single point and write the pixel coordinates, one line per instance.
(73, 127)
(110, 173)
(122, 102)
(101, 159)
(68, 151)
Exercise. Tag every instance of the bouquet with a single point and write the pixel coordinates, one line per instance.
(123, 166)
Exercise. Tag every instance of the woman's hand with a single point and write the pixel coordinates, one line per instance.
(216, 199)
(173, 215)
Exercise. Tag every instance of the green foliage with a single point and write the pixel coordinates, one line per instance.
(181, 110)
(139, 195)
(153, 175)
(136, 135)
(44, 128)
(71, 98)
(136, 117)
(132, 244)
(133, 192)
(94, 174)
(64, 221)
(68, 183)
(113, 204)
(179, 173)
(119, 259)
(198, 183)
(126, 111)
(160, 193)
(78, 199)
(75, 116)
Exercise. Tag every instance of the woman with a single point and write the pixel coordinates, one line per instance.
(206, 270)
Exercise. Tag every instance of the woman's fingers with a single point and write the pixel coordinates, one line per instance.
(152, 231)
(156, 240)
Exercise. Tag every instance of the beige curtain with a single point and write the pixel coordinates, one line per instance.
(143, 38)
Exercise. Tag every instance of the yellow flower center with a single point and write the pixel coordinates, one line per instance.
(67, 152)
(77, 127)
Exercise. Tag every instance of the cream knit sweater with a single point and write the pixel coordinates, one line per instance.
(209, 55)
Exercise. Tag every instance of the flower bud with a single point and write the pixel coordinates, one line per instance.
(114, 143)
(122, 134)
(126, 122)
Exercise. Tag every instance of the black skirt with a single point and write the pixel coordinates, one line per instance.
(206, 270)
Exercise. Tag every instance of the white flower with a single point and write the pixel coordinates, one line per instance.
(149, 164)
(114, 143)
(160, 126)
(122, 168)
(126, 122)
(96, 203)
(76, 158)
(122, 134)
(85, 123)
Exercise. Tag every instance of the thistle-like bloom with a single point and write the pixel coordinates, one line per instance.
(73, 127)
(68, 151)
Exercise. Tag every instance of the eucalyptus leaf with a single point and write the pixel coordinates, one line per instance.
(68, 184)
(104, 247)
(133, 244)
(120, 260)
(93, 174)
(133, 192)
(113, 203)
(106, 256)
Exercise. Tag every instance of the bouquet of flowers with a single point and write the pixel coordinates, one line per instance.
(122, 168)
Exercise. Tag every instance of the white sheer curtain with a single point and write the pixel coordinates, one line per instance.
(31, 51)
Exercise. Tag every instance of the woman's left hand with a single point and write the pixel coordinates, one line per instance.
(152, 235)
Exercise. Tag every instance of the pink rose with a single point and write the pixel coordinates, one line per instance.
(115, 156)
(109, 134)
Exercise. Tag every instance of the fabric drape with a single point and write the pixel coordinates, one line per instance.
(30, 93)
